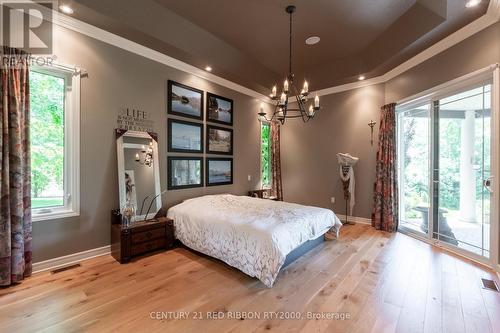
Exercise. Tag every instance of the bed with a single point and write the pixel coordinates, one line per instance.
(253, 235)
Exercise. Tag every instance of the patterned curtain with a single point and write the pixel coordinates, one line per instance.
(385, 194)
(15, 173)
(276, 186)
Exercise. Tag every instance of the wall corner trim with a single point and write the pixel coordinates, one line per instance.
(144, 51)
(491, 17)
(70, 259)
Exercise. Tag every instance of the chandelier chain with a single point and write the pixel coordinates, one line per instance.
(282, 109)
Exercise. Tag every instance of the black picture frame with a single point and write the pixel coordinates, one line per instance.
(210, 106)
(208, 160)
(171, 160)
(170, 136)
(171, 109)
(211, 128)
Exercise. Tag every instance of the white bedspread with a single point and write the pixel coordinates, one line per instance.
(253, 235)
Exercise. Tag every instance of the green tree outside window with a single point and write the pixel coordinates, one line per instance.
(265, 154)
(47, 139)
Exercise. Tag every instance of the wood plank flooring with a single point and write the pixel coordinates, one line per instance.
(367, 281)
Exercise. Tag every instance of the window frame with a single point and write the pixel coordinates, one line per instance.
(262, 185)
(71, 176)
(487, 75)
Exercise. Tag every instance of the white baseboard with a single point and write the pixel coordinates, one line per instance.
(70, 259)
(355, 219)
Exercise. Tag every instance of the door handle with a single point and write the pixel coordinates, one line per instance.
(487, 183)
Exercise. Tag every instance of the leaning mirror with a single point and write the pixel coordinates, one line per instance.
(138, 174)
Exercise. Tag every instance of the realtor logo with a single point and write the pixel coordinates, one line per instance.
(27, 25)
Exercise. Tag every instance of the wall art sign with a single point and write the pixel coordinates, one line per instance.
(134, 120)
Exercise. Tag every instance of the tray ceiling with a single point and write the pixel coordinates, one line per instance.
(246, 41)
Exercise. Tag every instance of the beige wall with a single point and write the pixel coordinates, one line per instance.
(476, 52)
(309, 163)
(119, 79)
(310, 172)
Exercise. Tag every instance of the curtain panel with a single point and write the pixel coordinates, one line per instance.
(385, 194)
(276, 184)
(15, 172)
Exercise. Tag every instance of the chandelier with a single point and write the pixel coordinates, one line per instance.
(146, 157)
(282, 110)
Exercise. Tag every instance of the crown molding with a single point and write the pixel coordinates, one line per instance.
(107, 37)
(457, 83)
(494, 10)
(491, 17)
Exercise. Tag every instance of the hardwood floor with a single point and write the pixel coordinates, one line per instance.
(382, 282)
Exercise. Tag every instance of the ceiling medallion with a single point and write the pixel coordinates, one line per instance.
(282, 110)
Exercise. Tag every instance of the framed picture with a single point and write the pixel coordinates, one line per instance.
(219, 109)
(184, 101)
(185, 136)
(219, 140)
(219, 171)
(184, 172)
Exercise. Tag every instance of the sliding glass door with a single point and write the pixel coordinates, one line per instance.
(462, 160)
(444, 165)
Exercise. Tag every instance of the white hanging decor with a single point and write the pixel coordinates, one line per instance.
(346, 163)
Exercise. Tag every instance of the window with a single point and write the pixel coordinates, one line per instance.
(54, 135)
(446, 159)
(265, 154)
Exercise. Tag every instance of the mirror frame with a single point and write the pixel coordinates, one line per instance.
(120, 133)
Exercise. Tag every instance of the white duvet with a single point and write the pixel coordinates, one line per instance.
(253, 235)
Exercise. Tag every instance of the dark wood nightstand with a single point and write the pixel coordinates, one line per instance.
(262, 194)
(141, 238)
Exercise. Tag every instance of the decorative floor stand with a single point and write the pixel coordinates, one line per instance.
(346, 163)
(330, 235)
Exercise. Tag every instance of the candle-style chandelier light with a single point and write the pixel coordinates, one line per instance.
(282, 110)
(146, 157)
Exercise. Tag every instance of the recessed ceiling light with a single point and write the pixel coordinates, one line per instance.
(312, 40)
(472, 3)
(361, 77)
(66, 9)
(208, 69)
